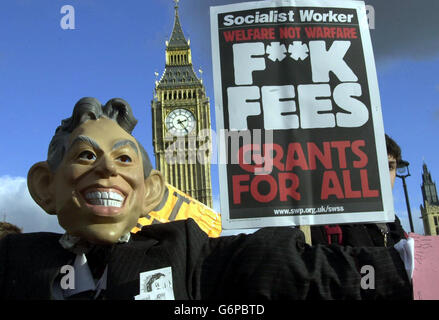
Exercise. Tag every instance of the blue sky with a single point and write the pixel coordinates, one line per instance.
(117, 46)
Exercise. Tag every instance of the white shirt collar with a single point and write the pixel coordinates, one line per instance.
(84, 279)
(78, 246)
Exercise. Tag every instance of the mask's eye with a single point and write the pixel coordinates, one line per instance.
(87, 155)
(124, 158)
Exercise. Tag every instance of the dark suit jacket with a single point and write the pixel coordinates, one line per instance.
(273, 263)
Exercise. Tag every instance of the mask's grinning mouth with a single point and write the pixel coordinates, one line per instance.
(104, 198)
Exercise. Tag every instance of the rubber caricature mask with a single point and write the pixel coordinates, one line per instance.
(98, 191)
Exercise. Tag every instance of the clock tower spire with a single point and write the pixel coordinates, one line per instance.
(430, 207)
(181, 121)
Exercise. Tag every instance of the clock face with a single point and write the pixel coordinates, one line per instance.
(180, 122)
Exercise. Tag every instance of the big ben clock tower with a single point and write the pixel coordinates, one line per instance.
(181, 121)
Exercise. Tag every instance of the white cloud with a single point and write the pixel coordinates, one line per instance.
(18, 207)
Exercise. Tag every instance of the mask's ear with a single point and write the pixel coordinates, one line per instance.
(154, 191)
(39, 183)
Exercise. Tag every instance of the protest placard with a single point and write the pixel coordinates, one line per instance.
(301, 138)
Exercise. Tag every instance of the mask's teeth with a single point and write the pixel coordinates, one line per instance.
(104, 195)
(106, 202)
(116, 196)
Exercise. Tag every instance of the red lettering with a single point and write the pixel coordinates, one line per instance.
(251, 153)
(257, 35)
(291, 191)
(347, 33)
(244, 160)
(239, 35)
(353, 33)
(341, 148)
(251, 34)
(330, 177)
(276, 159)
(289, 33)
(271, 33)
(367, 193)
(254, 186)
(238, 188)
(349, 193)
(293, 149)
(339, 33)
(359, 153)
(314, 152)
(327, 32)
(310, 32)
(229, 35)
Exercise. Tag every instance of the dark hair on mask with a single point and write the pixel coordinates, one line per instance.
(86, 109)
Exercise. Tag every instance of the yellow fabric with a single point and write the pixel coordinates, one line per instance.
(207, 219)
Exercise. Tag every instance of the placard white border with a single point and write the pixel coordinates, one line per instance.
(388, 213)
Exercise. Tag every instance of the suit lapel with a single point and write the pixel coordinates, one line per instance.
(127, 261)
(49, 268)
